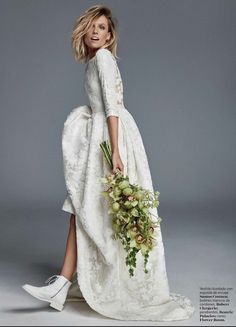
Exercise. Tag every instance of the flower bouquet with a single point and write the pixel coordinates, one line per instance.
(129, 208)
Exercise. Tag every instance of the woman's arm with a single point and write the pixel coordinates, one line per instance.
(112, 122)
(107, 71)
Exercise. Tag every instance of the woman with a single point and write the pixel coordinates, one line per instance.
(101, 271)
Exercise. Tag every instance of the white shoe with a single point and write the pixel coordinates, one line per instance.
(74, 293)
(55, 292)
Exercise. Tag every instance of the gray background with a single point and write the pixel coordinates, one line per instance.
(178, 64)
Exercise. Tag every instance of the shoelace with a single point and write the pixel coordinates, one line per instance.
(51, 279)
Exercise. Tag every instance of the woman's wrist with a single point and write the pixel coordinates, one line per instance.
(115, 150)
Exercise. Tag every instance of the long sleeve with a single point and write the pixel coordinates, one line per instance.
(111, 83)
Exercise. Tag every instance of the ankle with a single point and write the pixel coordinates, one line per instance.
(67, 277)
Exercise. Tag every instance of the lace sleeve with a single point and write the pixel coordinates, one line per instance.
(111, 84)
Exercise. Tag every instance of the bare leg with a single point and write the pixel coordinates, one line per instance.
(70, 258)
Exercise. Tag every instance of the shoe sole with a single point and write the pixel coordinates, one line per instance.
(76, 300)
(53, 304)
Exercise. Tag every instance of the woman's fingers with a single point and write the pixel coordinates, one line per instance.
(118, 168)
(117, 164)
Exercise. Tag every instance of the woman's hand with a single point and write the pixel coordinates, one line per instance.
(117, 162)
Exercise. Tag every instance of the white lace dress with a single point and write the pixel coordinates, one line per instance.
(102, 275)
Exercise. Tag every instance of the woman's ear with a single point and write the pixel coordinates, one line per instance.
(109, 36)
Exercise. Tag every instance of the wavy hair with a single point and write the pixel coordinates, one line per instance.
(82, 25)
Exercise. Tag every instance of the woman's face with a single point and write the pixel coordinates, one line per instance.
(97, 34)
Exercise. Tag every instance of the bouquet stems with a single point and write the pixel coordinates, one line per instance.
(106, 148)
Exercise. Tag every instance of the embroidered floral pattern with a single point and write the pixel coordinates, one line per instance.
(101, 271)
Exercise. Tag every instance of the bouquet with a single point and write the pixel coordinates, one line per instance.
(129, 208)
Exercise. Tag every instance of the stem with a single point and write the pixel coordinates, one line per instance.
(106, 151)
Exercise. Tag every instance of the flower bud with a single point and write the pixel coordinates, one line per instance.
(127, 191)
(115, 206)
(123, 184)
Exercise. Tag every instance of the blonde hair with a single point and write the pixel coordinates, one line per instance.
(82, 25)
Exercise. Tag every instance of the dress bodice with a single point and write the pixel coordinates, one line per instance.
(103, 83)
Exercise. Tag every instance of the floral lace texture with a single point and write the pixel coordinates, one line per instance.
(102, 275)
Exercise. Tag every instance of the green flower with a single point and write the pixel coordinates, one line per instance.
(127, 191)
(115, 206)
(117, 191)
(134, 212)
(134, 203)
(138, 195)
(139, 238)
(128, 204)
(123, 184)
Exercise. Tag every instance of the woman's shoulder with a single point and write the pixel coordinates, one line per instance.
(104, 54)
